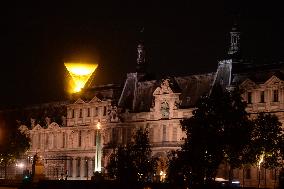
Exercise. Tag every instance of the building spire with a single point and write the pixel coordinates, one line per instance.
(141, 58)
(235, 34)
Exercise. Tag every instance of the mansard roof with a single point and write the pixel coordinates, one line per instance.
(138, 96)
(193, 87)
(259, 74)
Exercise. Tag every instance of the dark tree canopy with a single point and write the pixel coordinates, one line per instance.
(213, 136)
(133, 162)
(17, 143)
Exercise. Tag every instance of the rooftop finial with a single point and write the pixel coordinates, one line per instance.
(141, 61)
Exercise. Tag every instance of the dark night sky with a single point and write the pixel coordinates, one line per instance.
(181, 38)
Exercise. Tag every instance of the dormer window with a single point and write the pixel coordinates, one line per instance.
(165, 110)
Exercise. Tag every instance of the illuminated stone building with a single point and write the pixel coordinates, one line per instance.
(157, 105)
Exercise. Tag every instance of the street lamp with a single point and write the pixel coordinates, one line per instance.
(98, 158)
(259, 165)
(19, 166)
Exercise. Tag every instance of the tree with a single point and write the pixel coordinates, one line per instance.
(17, 143)
(212, 135)
(267, 139)
(133, 162)
(141, 153)
(121, 165)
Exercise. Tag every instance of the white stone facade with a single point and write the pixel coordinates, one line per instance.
(70, 149)
(159, 106)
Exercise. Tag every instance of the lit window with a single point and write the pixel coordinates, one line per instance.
(275, 96)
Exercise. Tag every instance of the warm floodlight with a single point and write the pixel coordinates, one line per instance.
(80, 74)
(98, 125)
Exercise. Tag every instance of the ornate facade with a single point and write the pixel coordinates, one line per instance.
(158, 105)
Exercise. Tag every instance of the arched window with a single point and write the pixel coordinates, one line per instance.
(165, 110)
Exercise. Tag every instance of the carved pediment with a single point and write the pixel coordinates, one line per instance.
(79, 101)
(37, 127)
(95, 99)
(248, 84)
(164, 88)
(53, 125)
(273, 80)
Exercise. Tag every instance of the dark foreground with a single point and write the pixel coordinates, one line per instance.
(72, 184)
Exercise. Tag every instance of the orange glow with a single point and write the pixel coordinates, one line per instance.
(99, 125)
(80, 74)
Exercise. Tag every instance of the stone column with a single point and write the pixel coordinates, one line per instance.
(74, 164)
(82, 168)
(90, 168)
(69, 166)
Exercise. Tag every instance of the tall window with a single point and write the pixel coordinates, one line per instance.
(105, 110)
(174, 133)
(46, 140)
(273, 174)
(73, 113)
(88, 112)
(70, 172)
(80, 114)
(94, 141)
(248, 174)
(164, 133)
(124, 135)
(249, 98)
(86, 168)
(262, 173)
(54, 140)
(151, 134)
(78, 167)
(114, 135)
(275, 96)
(80, 138)
(165, 110)
(261, 96)
(129, 134)
(39, 139)
(96, 111)
(63, 140)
